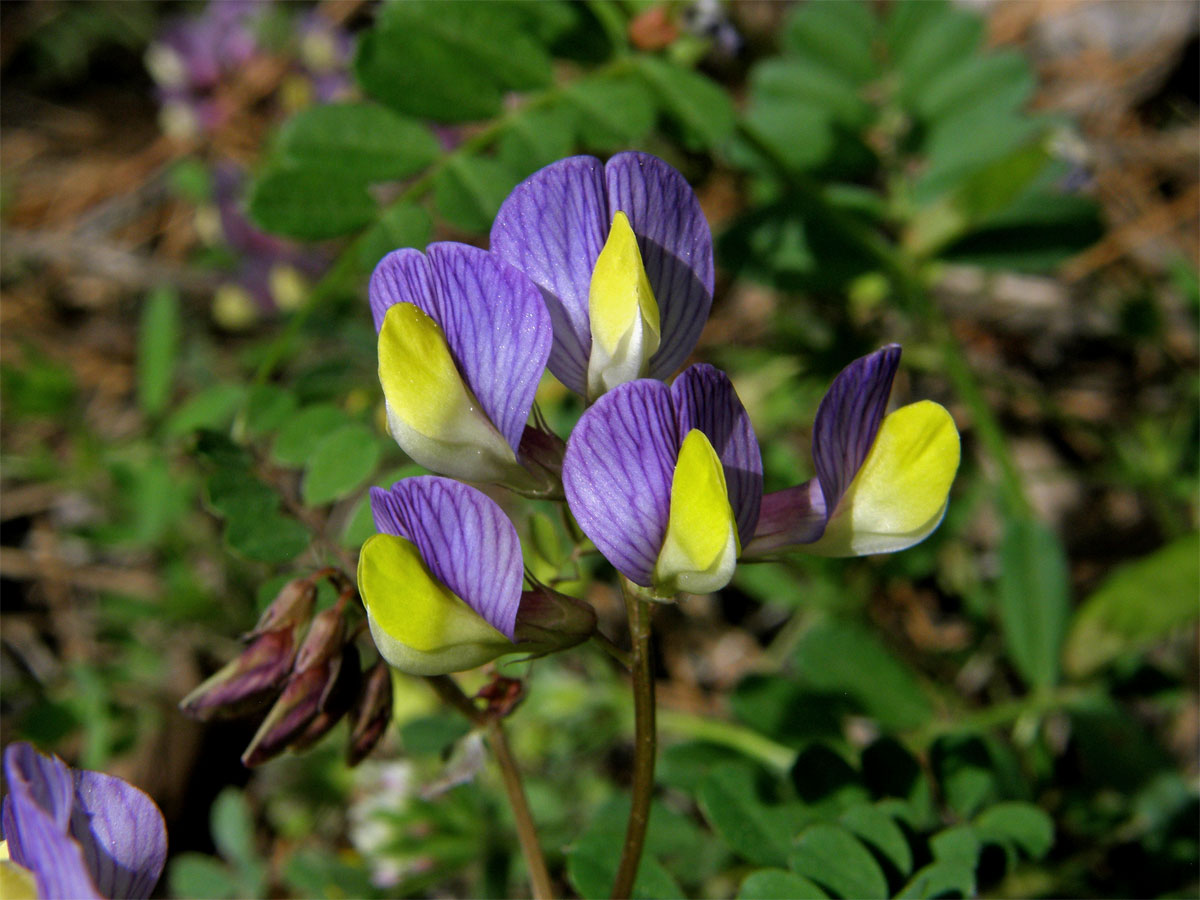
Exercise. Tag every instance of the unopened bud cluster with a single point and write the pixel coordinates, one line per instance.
(306, 671)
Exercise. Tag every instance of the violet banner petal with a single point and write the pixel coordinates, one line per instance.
(848, 420)
(494, 319)
(676, 246)
(704, 398)
(122, 834)
(402, 276)
(38, 843)
(497, 327)
(466, 540)
(617, 474)
(41, 780)
(795, 515)
(552, 227)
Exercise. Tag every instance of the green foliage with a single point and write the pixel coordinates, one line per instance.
(1034, 596)
(1139, 603)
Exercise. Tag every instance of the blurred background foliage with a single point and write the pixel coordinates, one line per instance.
(192, 198)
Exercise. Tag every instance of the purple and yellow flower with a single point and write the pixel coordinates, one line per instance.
(667, 481)
(623, 256)
(882, 482)
(463, 342)
(71, 833)
(442, 582)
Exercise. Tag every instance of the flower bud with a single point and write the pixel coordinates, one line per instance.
(337, 701)
(293, 605)
(548, 621)
(248, 682)
(324, 640)
(296, 707)
(309, 689)
(371, 714)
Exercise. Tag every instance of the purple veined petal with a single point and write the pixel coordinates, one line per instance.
(795, 515)
(552, 227)
(402, 276)
(497, 327)
(617, 474)
(36, 842)
(494, 319)
(848, 420)
(41, 780)
(465, 539)
(704, 398)
(122, 835)
(676, 246)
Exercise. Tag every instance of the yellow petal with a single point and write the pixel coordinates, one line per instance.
(16, 882)
(701, 546)
(900, 494)
(622, 311)
(419, 626)
(432, 413)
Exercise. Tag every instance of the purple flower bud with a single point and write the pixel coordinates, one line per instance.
(248, 682)
(371, 713)
(296, 707)
(292, 606)
(337, 701)
(324, 640)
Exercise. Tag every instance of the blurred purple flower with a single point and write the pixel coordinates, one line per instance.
(271, 272)
(82, 834)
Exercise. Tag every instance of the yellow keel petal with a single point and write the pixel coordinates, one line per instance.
(701, 546)
(900, 494)
(419, 626)
(622, 311)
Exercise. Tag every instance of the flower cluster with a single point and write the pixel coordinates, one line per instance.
(602, 273)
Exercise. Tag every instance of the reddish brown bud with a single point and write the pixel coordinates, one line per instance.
(248, 682)
(292, 606)
(336, 702)
(324, 640)
(371, 714)
(295, 708)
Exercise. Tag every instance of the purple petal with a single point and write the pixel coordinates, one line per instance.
(705, 399)
(400, 277)
(848, 420)
(552, 227)
(121, 832)
(676, 246)
(792, 516)
(35, 779)
(617, 474)
(36, 842)
(465, 539)
(495, 322)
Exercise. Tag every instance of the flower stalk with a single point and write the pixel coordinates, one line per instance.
(539, 876)
(644, 737)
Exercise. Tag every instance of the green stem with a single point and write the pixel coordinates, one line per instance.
(1000, 714)
(729, 734)
(539, 876)
(645, 740)
(605, 644)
